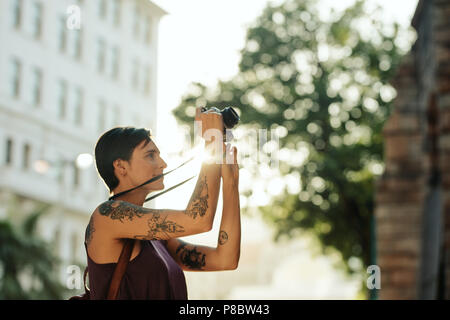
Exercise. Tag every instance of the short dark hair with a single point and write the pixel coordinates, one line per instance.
(117, 143)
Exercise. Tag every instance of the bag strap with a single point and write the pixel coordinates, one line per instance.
(86, 289)
(120, 269)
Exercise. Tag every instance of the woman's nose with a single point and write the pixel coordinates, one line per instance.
(164, 164)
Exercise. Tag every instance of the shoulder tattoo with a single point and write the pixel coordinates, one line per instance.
(119, 210)
(89, 231)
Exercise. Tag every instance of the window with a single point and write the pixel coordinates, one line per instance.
(26, 156)
(62, 99)
(78, 106)
(135, 74)
(148, 30)
(101, 115)
(147, 82)
(76, 44)
(114, 68)
(70, 40)
(36, 90)
(101, 51)
(62, 34)
(76, 175)
(137, 22)
(9, 151)
(102, 8)
(142, 28)
(61, 174)
(36, 26)
(115, 12)
(17, 13)
(75, 241)
(15, 75)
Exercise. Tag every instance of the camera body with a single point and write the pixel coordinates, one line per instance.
(229, 115)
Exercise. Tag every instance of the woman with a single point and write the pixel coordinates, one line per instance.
(127, 157)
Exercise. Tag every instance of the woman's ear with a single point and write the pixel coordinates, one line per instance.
(120, 167)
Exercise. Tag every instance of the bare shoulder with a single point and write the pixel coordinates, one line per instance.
(97, 233)
(102, 246)
(95, 225)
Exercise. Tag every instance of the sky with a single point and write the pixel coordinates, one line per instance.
(200, 40)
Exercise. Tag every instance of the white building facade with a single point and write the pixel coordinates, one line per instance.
(69, 71)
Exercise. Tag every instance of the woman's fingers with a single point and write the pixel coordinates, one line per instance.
(230, 154)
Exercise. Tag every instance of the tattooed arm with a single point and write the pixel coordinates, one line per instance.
(119, 219)
(229, 248)
(226, 255)
(203, 202)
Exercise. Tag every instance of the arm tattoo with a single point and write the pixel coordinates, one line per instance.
(198, 204)
(223, 237)
(157, 224)
(118, 210)
(89, 231)
(191, 257)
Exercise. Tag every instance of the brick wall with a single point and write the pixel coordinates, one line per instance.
(441, 25)
(417, 152)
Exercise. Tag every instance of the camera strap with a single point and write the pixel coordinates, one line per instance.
(233, 119)
(154, 179)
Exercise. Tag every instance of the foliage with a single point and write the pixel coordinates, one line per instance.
(323, 85)
(26, 263)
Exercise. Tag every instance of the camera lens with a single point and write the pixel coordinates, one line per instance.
(230, 117)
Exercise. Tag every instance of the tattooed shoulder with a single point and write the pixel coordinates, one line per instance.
(119, 210)
(89, 231)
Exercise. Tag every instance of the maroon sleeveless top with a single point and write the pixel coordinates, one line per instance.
(152, 275)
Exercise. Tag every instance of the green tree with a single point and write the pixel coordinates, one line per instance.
(323, 85)
(25, 257)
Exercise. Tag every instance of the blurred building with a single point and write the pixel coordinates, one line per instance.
(70, 70)
(413, 195)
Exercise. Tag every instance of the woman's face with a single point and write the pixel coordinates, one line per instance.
(146, 163)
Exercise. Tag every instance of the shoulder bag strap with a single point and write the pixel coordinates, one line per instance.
(120, 269)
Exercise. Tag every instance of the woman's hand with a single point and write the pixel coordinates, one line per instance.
(211, 124)
(230, 167)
